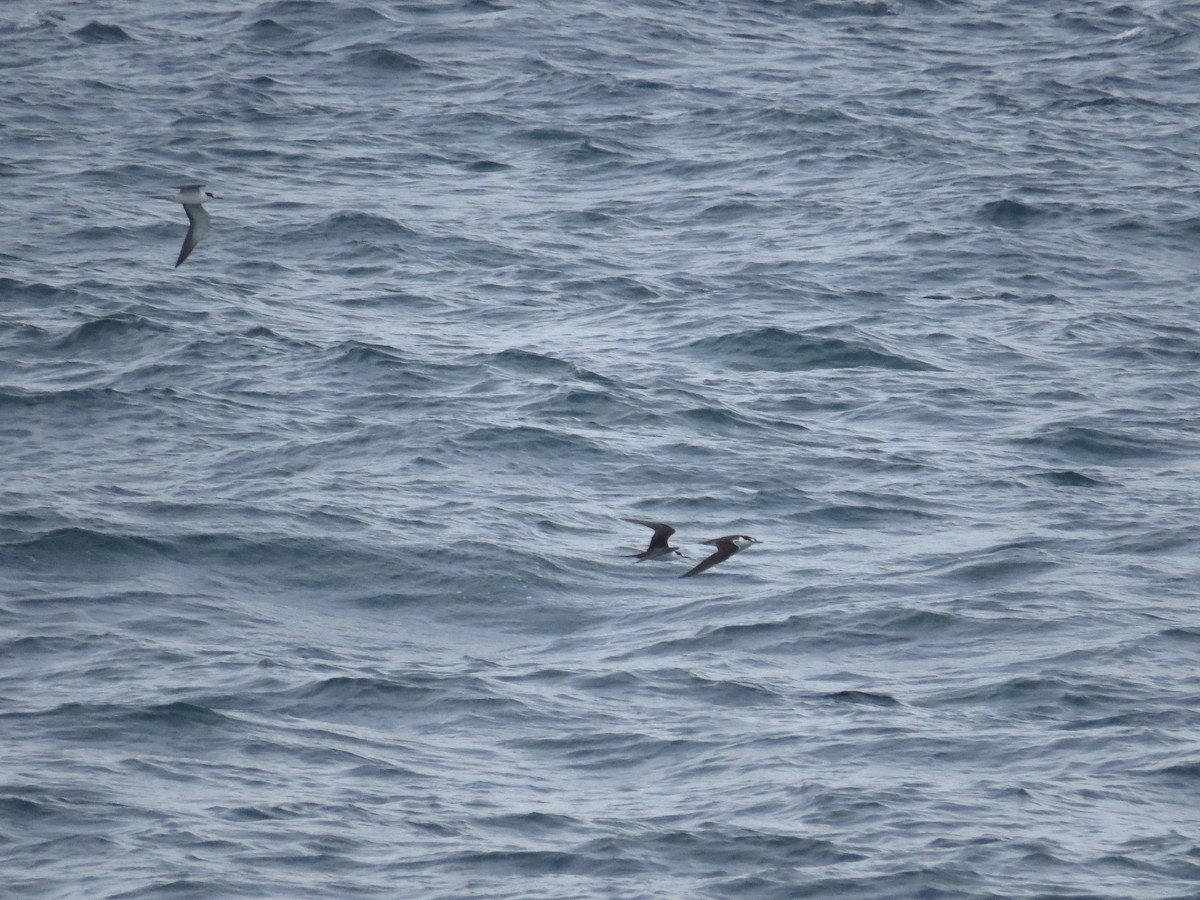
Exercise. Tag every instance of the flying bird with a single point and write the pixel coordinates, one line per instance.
(659, 542)
(193, 197)
(726, 547)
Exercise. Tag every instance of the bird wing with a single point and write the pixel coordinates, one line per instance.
(725, 549)
(199, 218)
(662, 532)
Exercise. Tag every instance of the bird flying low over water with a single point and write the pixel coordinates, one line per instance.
(659, 542)
(193, 197)
(660, 547)
(726, 547)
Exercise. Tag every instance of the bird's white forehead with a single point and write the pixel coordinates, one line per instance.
(743, 541)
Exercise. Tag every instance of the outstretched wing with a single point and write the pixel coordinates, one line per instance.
(662, 532)
(199, 219)
(725, 549)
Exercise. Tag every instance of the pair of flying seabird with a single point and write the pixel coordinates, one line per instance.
(660, 547)
(193, 197)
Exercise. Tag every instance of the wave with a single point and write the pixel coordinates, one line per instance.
(172, 721)
(271, 32)
(862, 698)
(685, 685)
(388, 368)
(109, 333)
(780, 350)
(528, 362)
(1093, 443)
(76, 550)
(382, 59)
(608, 750)
(39, 293)
(354, 227)
(357, 699)
(868, 515)
(1009, 213)
(528, 441)
(1070, 478)
(102, 33)
(320, 15)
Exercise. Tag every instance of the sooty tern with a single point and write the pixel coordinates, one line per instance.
(659, 542)
(726, 547)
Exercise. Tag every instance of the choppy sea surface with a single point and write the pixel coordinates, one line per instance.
(312, 573)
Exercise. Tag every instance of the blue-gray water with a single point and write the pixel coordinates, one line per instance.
(311, 573)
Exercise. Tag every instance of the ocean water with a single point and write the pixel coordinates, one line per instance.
(312, 573)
